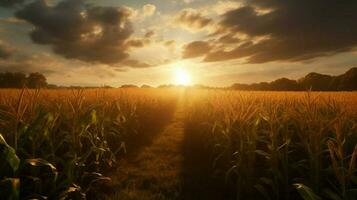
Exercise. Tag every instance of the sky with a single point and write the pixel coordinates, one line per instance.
(216, 43)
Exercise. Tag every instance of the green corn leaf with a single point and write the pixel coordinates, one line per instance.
(267, 181)
(39, 168)
(331, 195)
(94, 117)
(8, 155)
(10, 188)
(92, 180)
(354, 179)
(351, 194)
(261, 189)
(73, 192)
(262, 153)
(305, 192)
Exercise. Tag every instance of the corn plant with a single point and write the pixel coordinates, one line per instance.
(61, 142)
(276, 145)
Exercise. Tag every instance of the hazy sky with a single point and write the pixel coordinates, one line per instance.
(115, 42)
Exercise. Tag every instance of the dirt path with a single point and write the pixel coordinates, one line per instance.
(155, 172)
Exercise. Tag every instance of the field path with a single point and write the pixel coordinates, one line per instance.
(155, 172)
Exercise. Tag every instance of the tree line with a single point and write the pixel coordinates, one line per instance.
(20, 80)
(312, 81)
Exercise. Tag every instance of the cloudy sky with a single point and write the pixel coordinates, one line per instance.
(115, 42)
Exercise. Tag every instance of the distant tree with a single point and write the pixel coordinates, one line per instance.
(19, 80)
(316, 82)
(75, 87)
(36, 80)
(254, 86)
(284, 84)
(348, 80)
(262, 86)
(200, 86)
(172, 86)
(240, 86)
(146, 86)
(313, 81)
(129, 86)
(12, 80)
(166, 86)
(52, 86)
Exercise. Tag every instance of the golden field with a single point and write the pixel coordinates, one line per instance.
(274, 145)
(71, 143)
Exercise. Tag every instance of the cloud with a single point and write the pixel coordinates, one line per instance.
(12, 20)
(196, 49)
(149, 9)
(24, 68)
(135, 64)
(5, 50)
(193, 20)
(62, 71)
(150, 34)
(289, 30)
(78, 31)
(222, 7)
(137, 43)
(229, 38)
(10, 3)
(169, 43)
(29, 63)
(187, 1)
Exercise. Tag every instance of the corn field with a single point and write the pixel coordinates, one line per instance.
(274, 145)
(66, 143)
(58, 144)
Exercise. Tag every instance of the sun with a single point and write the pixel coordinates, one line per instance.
(182, 77)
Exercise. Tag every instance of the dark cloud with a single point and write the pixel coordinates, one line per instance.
(137, 43)
(10, 3)
(193, 19)
(135, 63)
(292, 30)
(78, 31)
(196, 49)
(229, 39)
(150, 34)
(5, 51)
(24, 68)
(169, 43)
(28, 63)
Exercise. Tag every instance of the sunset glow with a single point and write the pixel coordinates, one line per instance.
(178, 99)
(111, 42)
(182, 77)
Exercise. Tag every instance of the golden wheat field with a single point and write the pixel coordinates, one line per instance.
(177, 144)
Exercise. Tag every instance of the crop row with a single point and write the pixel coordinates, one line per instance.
(275, 145)
(58, 144)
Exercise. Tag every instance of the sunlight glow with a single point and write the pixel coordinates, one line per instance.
(182, 77)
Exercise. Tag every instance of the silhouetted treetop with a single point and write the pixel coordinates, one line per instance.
(36, 80)
(129, 86)
(313, 81)
(20, 80)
